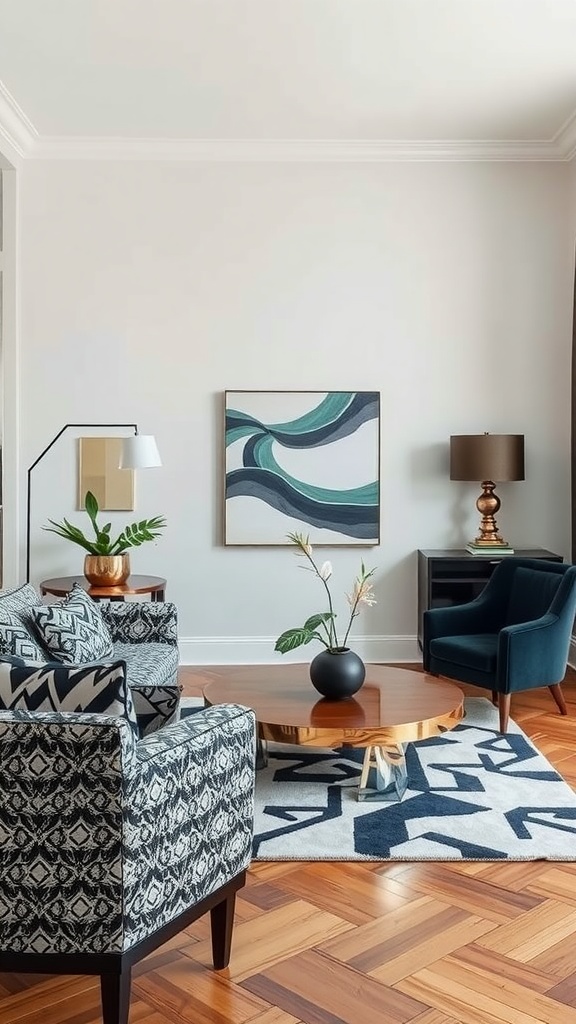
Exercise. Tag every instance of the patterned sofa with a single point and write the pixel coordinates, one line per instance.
(111, 844)
(143, 635)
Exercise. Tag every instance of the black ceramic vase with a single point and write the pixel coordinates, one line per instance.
(337, 674)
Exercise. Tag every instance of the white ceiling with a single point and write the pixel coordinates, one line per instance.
(378, 78)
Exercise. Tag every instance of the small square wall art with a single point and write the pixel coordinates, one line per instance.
(306, 461)
(98, 462)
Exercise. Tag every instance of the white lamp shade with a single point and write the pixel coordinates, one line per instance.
(139, 452)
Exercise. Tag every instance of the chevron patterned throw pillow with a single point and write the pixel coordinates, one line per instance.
(73, 630)
(97, 689)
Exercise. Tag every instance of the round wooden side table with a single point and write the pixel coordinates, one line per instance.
(62, 585)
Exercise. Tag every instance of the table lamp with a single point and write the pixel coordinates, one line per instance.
(491, 459)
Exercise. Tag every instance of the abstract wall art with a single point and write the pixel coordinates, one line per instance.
(98, 462)
(302, 460)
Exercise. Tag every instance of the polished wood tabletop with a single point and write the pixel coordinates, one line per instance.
(62, 585)
(394, 705)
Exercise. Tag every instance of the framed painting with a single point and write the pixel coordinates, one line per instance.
(98, 471)
(305, 461)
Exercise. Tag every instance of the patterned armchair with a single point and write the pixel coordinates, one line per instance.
(110, 845)
(145, 636)
(81, 631)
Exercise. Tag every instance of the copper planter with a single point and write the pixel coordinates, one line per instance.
(107, 570)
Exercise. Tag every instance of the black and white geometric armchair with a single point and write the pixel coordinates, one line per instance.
(80, 631)
(109, 845)
(145, 636)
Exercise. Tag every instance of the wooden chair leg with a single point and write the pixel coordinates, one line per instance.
(495, 698)
(115, 991)
(556, 691)
(504, 710)
(222, 921)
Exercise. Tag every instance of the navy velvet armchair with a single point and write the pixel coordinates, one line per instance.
(514, 636)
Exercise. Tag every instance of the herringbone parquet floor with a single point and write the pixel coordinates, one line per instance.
(336, 943)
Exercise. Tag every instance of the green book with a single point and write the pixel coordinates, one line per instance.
(482, 549)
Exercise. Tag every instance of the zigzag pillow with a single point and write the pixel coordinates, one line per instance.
(73, 630)
(98, 689)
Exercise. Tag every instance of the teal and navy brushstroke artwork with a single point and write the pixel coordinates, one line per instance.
(302, 460)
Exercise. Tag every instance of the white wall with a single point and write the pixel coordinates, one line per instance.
(147, 289)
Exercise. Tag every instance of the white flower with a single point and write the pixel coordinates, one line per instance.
(362, 594)
(322, 625)
(302, 542)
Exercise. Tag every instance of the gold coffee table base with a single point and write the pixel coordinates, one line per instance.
(384, 775)
(394, 707)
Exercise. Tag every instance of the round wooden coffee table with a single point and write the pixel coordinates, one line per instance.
(395, 706)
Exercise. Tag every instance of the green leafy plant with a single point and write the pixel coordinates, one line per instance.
(132, 536)
(362, 593)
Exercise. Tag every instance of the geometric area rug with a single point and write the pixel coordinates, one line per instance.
(473, 794)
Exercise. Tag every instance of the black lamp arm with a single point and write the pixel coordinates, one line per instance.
(67, 426)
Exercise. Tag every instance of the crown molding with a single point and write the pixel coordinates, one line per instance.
(19, 136)
(565, 139)
(291, 150)
(16, 131)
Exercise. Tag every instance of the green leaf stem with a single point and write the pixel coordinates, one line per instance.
(132, 536)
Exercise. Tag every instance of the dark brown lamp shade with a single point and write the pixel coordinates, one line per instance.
(479, 457)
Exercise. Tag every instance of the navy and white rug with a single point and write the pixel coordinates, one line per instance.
(473, 794)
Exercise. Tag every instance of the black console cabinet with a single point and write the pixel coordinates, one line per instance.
(453, 577)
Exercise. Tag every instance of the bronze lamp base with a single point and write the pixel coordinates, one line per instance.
(488, 504)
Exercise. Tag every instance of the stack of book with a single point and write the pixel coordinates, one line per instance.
(489, 550)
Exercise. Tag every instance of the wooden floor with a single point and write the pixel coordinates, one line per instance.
(326, 943)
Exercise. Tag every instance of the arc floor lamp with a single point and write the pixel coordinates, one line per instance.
(139, 451)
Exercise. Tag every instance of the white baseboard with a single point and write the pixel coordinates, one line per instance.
(259, 650)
